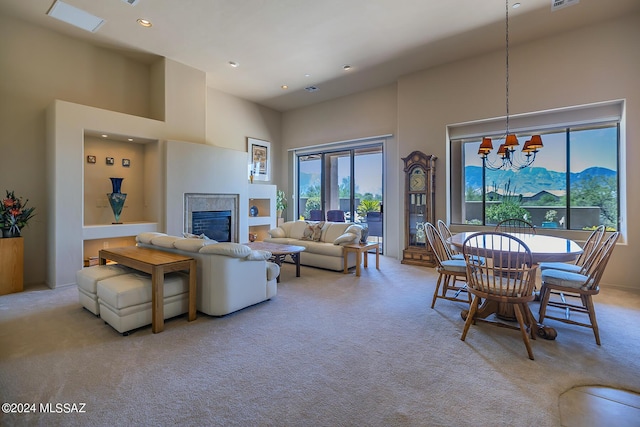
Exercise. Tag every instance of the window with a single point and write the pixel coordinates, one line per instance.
(573, 183)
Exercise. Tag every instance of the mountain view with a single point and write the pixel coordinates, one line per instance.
(532, 180)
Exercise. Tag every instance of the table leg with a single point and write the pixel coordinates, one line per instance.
(365, 255)
(358, 262)
(278, 260)
(157, 300)
(192, 290)
(377, 257)
(296, 258)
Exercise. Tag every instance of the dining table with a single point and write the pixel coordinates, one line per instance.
(543, 249)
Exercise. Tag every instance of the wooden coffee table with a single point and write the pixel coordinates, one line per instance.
(361, 248)
(156, 263)
(279, 253)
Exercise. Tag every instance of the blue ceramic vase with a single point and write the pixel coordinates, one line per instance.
(116, 198)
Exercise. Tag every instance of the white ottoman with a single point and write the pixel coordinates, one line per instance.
(125, 300)
(87, 280)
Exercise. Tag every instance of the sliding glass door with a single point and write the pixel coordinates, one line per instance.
(343, 185)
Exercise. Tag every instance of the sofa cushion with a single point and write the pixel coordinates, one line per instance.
(192, 245)
(195, 236)
(322, 248)
(147, 236)
(164, 241)
(277, 232)
(297, 230)
(333, 230)
(231, 249)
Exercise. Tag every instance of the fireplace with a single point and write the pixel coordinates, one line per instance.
(214, 215)
(215, 225)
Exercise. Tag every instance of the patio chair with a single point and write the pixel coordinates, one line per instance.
(335, 216)
(583, 287)
(515, 225)
(316, 215)
(448, 268)
(508, 282)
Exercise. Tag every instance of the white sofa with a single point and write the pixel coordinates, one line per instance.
(322, 240)
(230, 276)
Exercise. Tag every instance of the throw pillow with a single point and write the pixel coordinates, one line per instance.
(345, 238)
(313, 231)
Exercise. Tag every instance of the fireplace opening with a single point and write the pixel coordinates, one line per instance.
(215, 225)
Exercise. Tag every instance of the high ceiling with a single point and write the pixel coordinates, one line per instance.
(302, 43)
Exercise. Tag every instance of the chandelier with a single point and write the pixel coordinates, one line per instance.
(507, 157)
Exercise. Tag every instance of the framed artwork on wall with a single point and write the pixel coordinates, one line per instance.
(110, 161)
(126, 163)
(259, 159)
(91, 159)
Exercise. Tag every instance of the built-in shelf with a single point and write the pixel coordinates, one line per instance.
(91, 232)
(262, 197)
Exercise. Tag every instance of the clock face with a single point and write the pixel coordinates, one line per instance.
(417, 180)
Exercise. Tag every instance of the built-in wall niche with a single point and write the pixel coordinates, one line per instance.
(131, 158)
(92, 247)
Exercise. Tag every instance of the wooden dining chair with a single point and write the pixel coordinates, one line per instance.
(450, 270)
(515, 225)
(582, 263)
(560, 285)
(446, 234)
(507, 277)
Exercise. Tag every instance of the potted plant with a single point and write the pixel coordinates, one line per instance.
(281, 202)
(14, 215)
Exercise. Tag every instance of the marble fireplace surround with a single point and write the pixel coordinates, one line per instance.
(207, 202)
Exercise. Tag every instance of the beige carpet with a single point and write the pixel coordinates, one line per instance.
(329, 350)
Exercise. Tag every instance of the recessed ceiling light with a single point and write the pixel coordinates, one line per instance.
(516, 5)
(104, 135)
(74, 16)
(307, 75)
(234, 64)
(130, 139)
(144, 22)
(346, 67)
(284, 87)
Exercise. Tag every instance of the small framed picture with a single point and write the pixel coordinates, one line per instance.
(259, 159)
(110, 161)
(91, 159)
(126, 163)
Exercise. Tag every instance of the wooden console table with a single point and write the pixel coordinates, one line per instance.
(156, 263)
(11, 265)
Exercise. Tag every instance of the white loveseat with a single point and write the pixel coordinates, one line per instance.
(322, 240)
(230, 276)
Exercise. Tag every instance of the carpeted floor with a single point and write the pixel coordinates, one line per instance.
(328, 350)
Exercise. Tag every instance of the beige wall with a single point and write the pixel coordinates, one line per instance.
(39, 66)
(36, 67)
(593, 64)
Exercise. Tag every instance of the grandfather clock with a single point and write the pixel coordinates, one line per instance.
(419, 201)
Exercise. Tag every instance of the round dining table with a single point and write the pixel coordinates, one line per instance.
(543, 249)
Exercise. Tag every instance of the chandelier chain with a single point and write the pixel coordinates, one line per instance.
(507, 63)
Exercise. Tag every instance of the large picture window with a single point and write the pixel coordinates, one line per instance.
(573, 183)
